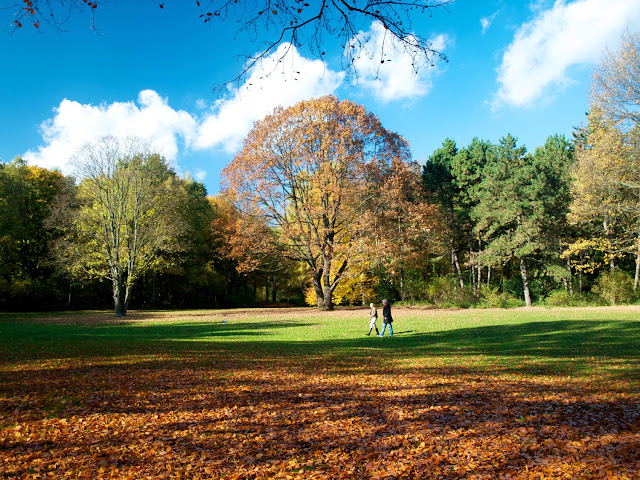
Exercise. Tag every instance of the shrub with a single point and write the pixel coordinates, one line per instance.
(615, 287)
(445, 292)
(494, 298)
(562, 298)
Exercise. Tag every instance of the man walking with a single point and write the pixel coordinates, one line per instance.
(388, 319)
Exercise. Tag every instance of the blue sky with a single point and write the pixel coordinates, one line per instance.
(519, 67)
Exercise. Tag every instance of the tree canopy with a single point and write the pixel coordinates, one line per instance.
(312, 172)
(124, 216)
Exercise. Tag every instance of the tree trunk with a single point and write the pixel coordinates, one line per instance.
(637, 275)
(580, 273)
(317, 286)
(118, 300)
(473, 275)
(327, 302)
(274, 290)
(127, 296)
(488, 276)
(607, 234)
(456, 264)
(154, 290)
(525, 282)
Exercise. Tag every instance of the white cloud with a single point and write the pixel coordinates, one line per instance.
(283, 78)
(387, 69)
(486, 22)
(535, 64)
(199, 175)
(74, 124)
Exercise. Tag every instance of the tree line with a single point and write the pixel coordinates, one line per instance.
(325, 206)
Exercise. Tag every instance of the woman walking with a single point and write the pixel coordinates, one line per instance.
(373, 317)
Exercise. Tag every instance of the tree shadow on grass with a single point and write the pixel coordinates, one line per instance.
(141, 397)
(41, 341)
(532, 347)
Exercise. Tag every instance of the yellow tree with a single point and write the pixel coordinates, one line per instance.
(606, 184)
(308, 170)
(616, 90)
(612, 154)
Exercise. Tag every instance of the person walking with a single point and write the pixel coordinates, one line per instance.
(373, 318)
(388, 319)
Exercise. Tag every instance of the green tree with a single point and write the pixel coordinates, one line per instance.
(466, 168)
(26, 196)
(441, 187)
(521, 200)
(127, 217)
(553, 162)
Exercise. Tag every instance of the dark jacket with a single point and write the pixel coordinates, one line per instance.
(386, 313)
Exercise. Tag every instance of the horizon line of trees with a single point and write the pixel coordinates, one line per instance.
(325, 206)
(502, 222)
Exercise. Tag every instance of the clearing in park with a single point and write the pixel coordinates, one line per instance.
(296, 393)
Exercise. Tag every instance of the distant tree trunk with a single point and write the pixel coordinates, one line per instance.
(456, 264)
(525, 281)
(580, 273)
(607, 234)
(127, 296)
(488, 276)
(637, 275)
(274, 290)
(154, 289)
(473, 272)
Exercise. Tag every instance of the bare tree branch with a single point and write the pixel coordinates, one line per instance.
(271, 23)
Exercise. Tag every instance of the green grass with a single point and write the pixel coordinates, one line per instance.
(560, 341)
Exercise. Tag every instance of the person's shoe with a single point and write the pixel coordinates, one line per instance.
(380, 335)
(368, 334)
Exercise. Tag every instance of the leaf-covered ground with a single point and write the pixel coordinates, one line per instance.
(296, 394)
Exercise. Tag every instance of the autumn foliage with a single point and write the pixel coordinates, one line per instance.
(273, 394)
(326, 176)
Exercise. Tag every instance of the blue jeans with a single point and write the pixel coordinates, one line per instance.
(384, 326)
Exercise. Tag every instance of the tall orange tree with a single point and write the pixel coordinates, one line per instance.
(311, 171)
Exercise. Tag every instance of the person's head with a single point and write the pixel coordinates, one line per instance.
(371, 305)
(384, 302)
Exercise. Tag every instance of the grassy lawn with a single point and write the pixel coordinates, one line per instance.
(294, 393)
